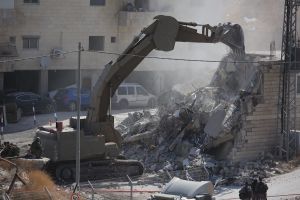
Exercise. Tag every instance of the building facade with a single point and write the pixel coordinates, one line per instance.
(40, 27)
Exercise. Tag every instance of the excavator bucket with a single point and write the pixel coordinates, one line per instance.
(233, 36)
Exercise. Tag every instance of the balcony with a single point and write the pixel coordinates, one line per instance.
(8, 50)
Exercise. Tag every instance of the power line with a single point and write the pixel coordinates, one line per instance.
(194, 60)
(176, 59)
(37, 57)
(150, 57)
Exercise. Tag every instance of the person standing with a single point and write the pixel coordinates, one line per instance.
(261, 190)
(253, 188)
(245, 192)
(36, 149)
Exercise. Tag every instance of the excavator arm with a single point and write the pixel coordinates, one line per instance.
(161, 35)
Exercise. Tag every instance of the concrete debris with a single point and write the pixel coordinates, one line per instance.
(214, 126)
(139, 137)
(137, 123)
(186, 128)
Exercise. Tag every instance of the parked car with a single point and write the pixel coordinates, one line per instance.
(26, 101)
(133, 95)
(66, 98)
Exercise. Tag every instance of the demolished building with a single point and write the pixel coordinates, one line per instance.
(234, 118)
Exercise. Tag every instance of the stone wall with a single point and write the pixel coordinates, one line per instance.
(259, 134)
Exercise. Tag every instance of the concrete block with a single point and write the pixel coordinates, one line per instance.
(214, 125)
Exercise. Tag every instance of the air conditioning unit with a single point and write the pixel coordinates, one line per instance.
(57, 53)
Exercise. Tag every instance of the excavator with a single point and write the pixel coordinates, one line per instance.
(100, 142)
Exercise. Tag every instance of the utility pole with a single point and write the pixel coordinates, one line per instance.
(287, 88)
(78, 118)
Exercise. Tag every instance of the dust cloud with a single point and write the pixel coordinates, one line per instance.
(261, 21)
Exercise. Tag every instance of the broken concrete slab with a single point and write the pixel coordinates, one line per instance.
(135, 138)
(214, 126)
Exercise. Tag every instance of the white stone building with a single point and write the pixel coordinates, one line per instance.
(41, 27)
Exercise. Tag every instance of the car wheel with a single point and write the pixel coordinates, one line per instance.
(72, 106)
(151, 103)
(123, 104)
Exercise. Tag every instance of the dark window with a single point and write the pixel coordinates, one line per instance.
(130, 90)
(31, 42)
(298, 84)
(96, 43)
(12, 39)
(141, 91)
(97, 2)
(113, 39)
(122, 91)
(31, 1)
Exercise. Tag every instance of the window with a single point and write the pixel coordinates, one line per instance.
(96, 43)
(97, 2)
(12, 40)
(130, 90)
(31, 1)
(298, 84)
(31, 42)
(122, 91)
(113, 39)
(141, 91)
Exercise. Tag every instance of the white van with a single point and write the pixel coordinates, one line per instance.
(133, 95)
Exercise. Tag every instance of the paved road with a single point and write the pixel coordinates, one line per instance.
(280, 187)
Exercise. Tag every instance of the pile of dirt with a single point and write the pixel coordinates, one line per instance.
(30, 184)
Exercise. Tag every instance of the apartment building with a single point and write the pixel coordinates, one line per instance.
(33, 28)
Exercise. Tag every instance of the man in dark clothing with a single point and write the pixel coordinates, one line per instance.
(253, 187)
(245, 192)
(36, 148)
(261, 190)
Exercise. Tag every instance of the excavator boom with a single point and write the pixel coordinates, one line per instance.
(161, 35)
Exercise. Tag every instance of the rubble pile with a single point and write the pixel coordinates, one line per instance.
(206, 121)
(8, 149)
(186, 128)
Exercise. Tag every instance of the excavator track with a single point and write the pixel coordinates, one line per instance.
(94, 169)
